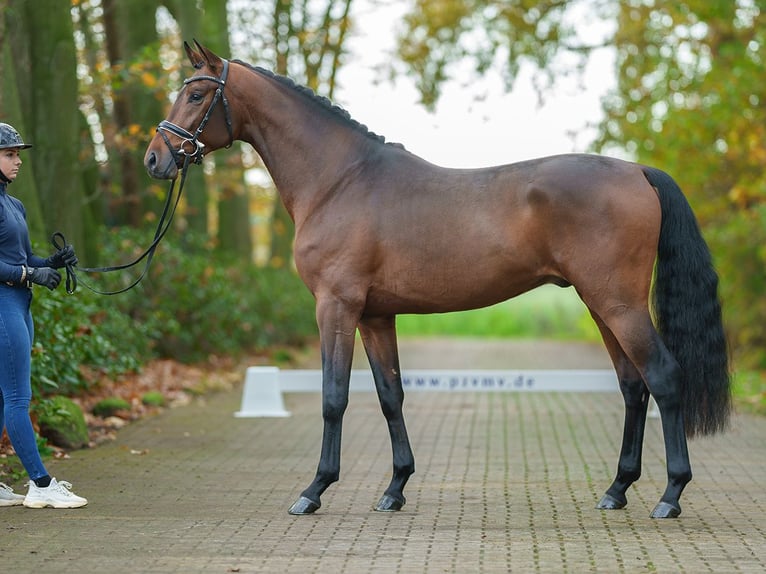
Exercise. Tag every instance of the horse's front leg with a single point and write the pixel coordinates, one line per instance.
(337, 327)
(379, 338)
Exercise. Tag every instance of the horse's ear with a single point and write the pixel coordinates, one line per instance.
(194, 58)
(211, 59)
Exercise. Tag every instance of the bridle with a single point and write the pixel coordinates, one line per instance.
(197, 148)
(182, 159)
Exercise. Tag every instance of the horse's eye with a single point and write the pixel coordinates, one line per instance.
(195, 98)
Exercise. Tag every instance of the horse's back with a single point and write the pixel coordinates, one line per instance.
(540, 212)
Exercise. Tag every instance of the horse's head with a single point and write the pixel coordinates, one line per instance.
(199, 121)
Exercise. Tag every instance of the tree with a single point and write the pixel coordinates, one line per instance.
(10, 104)
(39, 82)
(131, 44)
(233, 199)
(489, 34)
(225, 187)
(690, 99)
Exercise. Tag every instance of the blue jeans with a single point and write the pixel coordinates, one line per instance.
(16, 335)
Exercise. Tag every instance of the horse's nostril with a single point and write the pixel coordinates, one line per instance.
(151, 160)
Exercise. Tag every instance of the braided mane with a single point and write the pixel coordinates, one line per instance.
(319, 100)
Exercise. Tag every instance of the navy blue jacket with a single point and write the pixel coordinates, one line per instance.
(15, 247)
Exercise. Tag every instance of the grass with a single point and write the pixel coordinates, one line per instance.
(545, 313)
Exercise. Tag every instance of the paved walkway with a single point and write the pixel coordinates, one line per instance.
(504, 483)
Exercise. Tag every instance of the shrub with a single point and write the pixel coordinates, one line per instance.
(153, 399)
(193, 303)
(199, 302)
(109, 406)
(74, 334)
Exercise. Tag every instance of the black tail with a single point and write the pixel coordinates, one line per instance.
(688, 313)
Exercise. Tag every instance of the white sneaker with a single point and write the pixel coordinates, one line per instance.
(8, 497)
(56, 495)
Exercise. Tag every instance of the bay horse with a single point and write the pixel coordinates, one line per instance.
(380, 231)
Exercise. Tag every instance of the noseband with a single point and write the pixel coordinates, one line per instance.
(191, 140)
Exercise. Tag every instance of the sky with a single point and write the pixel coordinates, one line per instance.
(464, 132)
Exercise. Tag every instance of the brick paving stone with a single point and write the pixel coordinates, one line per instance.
(504, 482)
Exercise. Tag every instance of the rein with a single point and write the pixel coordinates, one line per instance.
(59, 242)
(180, 156)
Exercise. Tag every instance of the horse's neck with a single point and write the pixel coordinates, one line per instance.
(304, 148)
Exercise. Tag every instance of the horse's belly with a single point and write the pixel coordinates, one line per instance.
(420, 291)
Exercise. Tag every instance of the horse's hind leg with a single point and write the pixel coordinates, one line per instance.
(662, 375)
(379, 338)
(636, 397)
(641, 343)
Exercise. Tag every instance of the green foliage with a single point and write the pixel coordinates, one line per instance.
(197, 302)
(77, 332)
(12, 471)
(194, 303)
(499, 34)
(153, 398)
(740, 249)
(109, 406)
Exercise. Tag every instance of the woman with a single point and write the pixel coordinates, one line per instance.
(19, 269)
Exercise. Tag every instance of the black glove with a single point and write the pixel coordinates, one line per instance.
(63, 257)
(44, 276)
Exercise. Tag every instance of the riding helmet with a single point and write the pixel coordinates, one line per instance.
(10, 138)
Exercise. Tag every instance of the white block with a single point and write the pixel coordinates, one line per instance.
(262, 396)
(456, 380)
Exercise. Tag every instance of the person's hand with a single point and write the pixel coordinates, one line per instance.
(44, 276)
(63, 257)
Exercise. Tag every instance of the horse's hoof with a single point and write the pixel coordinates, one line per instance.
(388, 503)
(665, 510)
(304, 506)
(609, 502)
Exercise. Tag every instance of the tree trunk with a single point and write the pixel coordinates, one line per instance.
(234, 233)
(130, 34)
(13, 54)
(48, 97)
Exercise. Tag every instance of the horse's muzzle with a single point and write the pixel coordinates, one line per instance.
(160, 166)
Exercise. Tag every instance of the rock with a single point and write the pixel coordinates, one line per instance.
(114, 422)
(63, 424)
